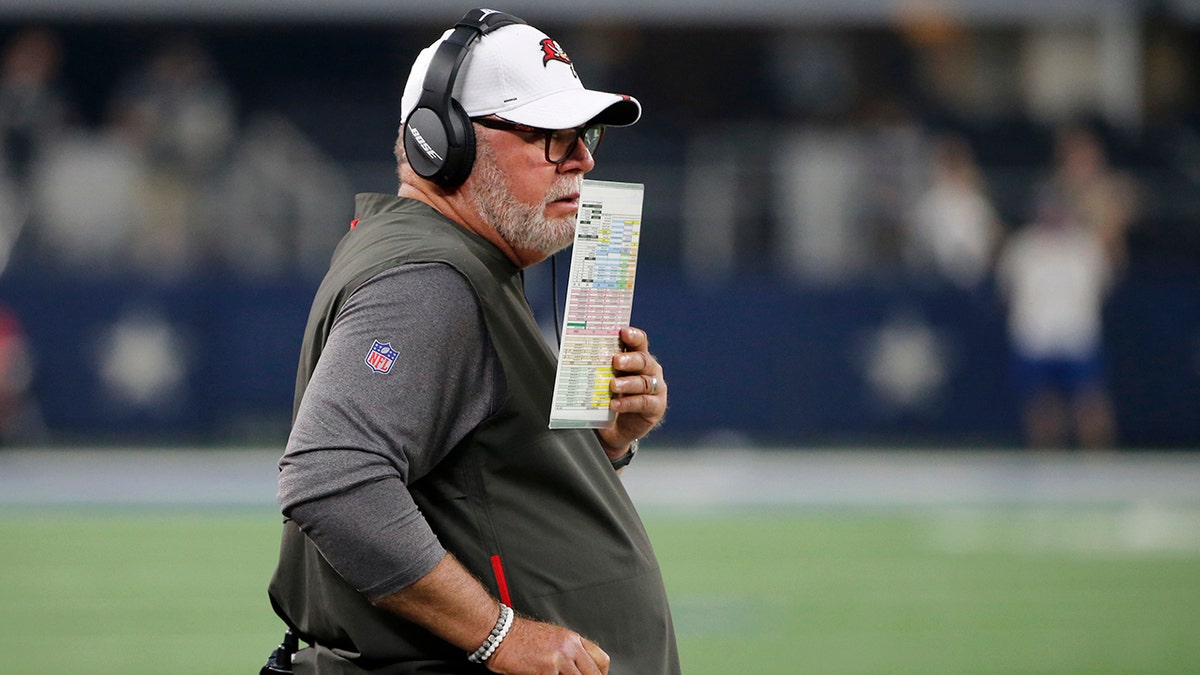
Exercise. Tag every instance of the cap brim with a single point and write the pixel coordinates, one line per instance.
(574, 108)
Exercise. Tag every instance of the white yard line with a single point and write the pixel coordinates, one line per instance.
(660, 477)
(872, 477)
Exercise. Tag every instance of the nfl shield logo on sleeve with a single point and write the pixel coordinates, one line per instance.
(381, 357)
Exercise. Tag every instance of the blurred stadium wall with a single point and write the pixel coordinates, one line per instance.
(160, 274)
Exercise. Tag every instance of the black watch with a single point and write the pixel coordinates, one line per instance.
(624, 460)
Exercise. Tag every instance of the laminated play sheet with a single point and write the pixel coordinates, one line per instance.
(599, 302)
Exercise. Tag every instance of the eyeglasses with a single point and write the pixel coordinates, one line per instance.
(560, 143)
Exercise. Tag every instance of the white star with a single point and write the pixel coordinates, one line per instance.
(906, 363)
(142, 362)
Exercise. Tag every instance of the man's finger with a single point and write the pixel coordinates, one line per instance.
(636, 362)
(634, 339)
(598, 656)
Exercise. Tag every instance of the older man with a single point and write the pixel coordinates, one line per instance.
(433, 522)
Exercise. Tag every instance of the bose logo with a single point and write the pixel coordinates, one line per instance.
(425, 146)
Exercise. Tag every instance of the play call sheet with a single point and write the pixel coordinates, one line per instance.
(599, 302)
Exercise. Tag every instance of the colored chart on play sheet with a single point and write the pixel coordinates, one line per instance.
(599, 302)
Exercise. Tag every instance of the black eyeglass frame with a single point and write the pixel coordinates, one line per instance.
(580, 135)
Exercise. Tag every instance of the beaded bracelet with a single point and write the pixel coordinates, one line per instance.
(503, 624)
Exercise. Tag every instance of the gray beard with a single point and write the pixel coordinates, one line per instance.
(524, 226)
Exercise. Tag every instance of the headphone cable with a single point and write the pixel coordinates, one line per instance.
(554, 286)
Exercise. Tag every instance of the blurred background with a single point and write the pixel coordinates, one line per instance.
(863, 220)
(831, 189)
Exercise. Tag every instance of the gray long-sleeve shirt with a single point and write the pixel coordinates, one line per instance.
(361, 435)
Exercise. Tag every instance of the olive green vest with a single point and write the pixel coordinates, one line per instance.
(543, 507)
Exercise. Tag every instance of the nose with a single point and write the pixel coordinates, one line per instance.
(580, 160)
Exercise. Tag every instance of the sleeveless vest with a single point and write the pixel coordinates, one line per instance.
(537, 514)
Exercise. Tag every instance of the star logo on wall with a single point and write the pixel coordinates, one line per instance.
(142, 362)
(905, 364)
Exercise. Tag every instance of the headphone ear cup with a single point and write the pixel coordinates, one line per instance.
(432, 152)
(425, 143)
(460, 157)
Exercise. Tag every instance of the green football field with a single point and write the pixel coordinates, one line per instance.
(789, 590)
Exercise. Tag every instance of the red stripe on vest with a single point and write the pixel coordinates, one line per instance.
(501, 582)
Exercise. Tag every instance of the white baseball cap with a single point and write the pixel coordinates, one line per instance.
(517, 72)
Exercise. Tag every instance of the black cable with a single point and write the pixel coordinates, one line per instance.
(554, 285)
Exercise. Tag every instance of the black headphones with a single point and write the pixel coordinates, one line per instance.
(438, 138)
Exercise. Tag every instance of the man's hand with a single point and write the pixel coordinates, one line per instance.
(641, 393)
(454, 605)
(536, 648)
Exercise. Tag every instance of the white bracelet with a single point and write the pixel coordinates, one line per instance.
(503, 624)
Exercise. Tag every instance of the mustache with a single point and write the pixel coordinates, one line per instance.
(570, 185)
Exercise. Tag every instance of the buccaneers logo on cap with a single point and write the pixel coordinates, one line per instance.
(551, 51)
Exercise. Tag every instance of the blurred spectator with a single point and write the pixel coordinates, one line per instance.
(841, 192)
(32, 112)
(818, 183)
(1055, 274)
(954, 229)
(32, 107)
(86, 192)
(1104, 199)
(892, 159)
(179, 116)
(20, 419)
(282, 202)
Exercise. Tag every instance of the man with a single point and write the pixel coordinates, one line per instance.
(425, 496)
(1055, 274)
